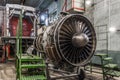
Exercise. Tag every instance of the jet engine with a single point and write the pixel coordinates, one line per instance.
(71, 39)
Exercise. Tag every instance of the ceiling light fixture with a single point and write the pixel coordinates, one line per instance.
(88, 2)
(112, 29)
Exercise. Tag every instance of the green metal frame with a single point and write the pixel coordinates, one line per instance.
(28, 62)
(107, 66)
(19, 47)
(102, 63)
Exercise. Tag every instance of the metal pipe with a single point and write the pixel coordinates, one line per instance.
(66, 76)
(60, 71)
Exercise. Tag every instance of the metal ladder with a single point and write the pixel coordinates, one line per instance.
(107, 66)
(29, 67)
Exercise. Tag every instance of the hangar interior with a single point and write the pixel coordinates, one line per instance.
(59, 40)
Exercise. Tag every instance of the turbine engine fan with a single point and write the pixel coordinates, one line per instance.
(71, 39)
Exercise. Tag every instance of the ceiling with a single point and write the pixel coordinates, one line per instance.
(39, 4)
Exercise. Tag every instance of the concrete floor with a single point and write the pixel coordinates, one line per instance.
(8, 72)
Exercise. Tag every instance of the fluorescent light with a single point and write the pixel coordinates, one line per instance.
(88, 2)
(112, 29)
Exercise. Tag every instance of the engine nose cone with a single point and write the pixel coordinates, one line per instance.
(80, 40)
